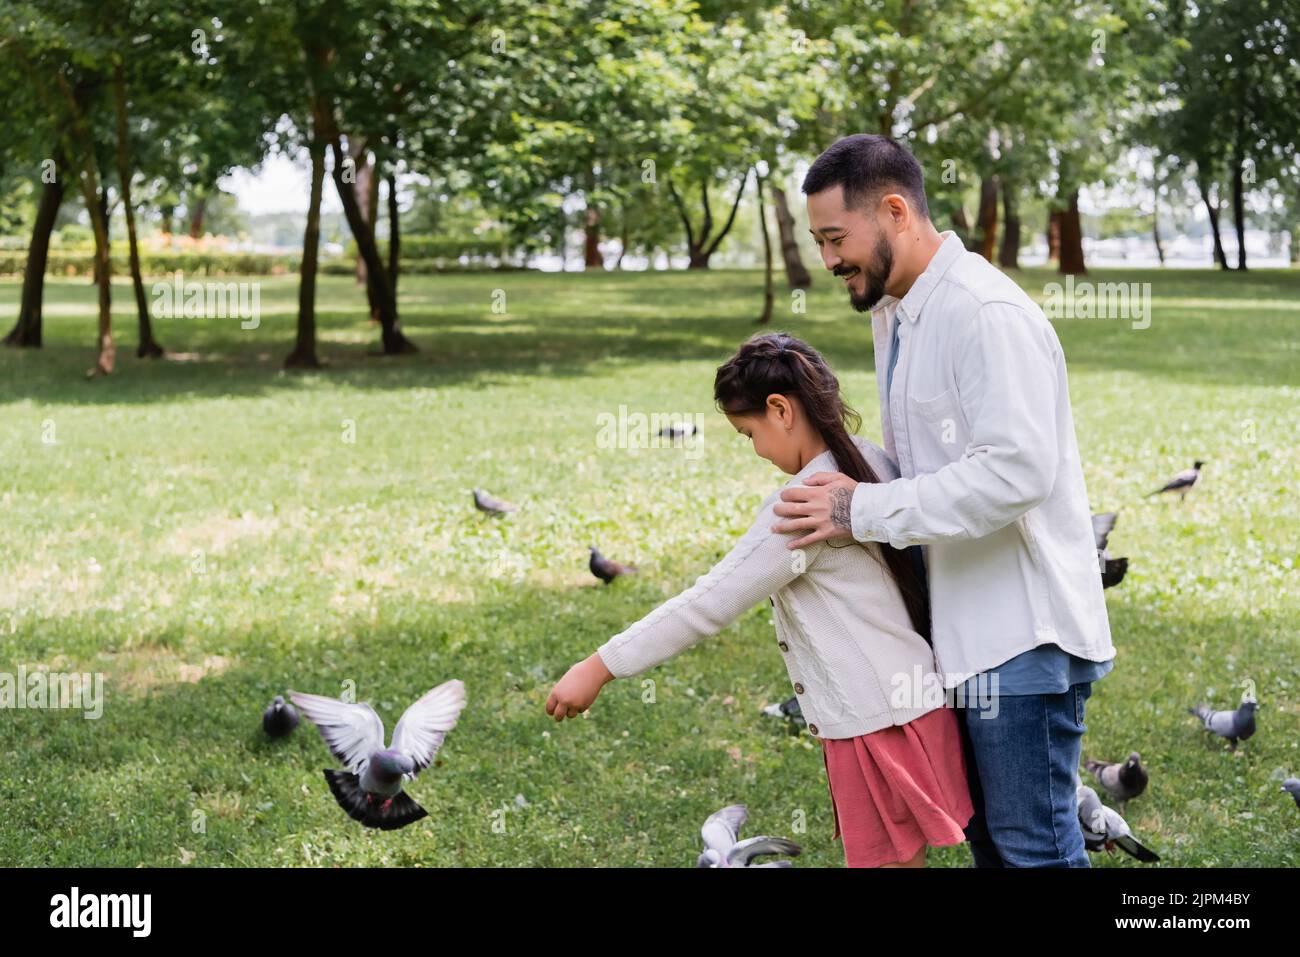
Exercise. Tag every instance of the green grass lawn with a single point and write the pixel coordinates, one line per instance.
(202, 532)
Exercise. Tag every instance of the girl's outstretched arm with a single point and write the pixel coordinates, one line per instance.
(755, 568)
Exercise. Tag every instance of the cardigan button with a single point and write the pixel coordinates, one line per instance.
(812, 728)
(798, 688)
(783, 646)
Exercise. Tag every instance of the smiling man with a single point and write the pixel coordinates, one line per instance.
(976, 412)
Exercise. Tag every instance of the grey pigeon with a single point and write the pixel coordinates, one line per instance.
(1183, 482)
(370, 790)
(1112, 569)
(1122, 781)
(1104, 829)
(491, 504)
(279, 718)
(789, 708)
(678, 430)
(1292, 787)
(607, 569)
(1233, 725)
(723, 847)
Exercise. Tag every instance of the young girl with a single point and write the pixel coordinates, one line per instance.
(852, 622)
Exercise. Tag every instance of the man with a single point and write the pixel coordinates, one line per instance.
(975, 410)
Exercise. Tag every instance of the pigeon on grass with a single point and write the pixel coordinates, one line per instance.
(1104, 829)
(279, 718)
(606, 569)
(789, 708)
(491, 504)
(724, 848)
(1122, 780)
(1232, 726)
(370, 790)
(1182, 483)
(1112, 569)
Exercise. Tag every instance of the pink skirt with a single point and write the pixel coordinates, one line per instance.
(899, 789)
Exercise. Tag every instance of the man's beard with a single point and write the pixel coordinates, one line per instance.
(876, 278)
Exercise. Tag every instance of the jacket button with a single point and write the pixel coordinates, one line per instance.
(798, 688)
(783, 646)
(812, 728)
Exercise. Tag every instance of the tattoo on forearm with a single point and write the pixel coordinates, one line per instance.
(840, 499)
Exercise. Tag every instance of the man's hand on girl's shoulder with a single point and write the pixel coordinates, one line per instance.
(820, 507)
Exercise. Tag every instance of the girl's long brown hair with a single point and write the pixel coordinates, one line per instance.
(778, 363)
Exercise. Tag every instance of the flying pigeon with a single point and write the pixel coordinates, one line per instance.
(1234, 725)
(370, 790)
(678, 430)
(1112, 569)
(1183, 482)
(279, 718)
(723, 847)
(607, 569)
(788, 708)
(491, 504)
(1121, 781)
(1104, 829)
(1292, 787)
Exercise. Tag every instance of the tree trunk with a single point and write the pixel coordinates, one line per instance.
(700, 248)
(564, 238)
(591, 257)
(1155, 230)
(1220, 257)
(148, 347)
(394, 234)
(196, 217)
(26, 333)
(394, 341)
(88, 178)
(1054, 218)
(304, 349)
(367, 193)
(1239, 211)
(624, 230)
(1009, 255)
(106, 359)
(766, 317)
(988, 217)
(796, 273)
(103, 212)
(1072, 239)
(364, 165)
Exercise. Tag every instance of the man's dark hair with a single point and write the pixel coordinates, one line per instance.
(866, 165)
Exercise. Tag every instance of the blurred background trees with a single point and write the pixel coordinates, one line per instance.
(620, 134)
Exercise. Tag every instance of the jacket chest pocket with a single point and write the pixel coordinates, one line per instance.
(937, 430)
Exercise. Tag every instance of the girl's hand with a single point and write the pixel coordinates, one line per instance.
(575, 692)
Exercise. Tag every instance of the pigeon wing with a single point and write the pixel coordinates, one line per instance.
(1114, 825)
(352, 732)
(750, 848)
(423, 726)
(722, 829)
(1131, 845)
(1101, 527)
(1223, 723)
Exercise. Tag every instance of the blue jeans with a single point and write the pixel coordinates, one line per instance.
(1021, 765)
